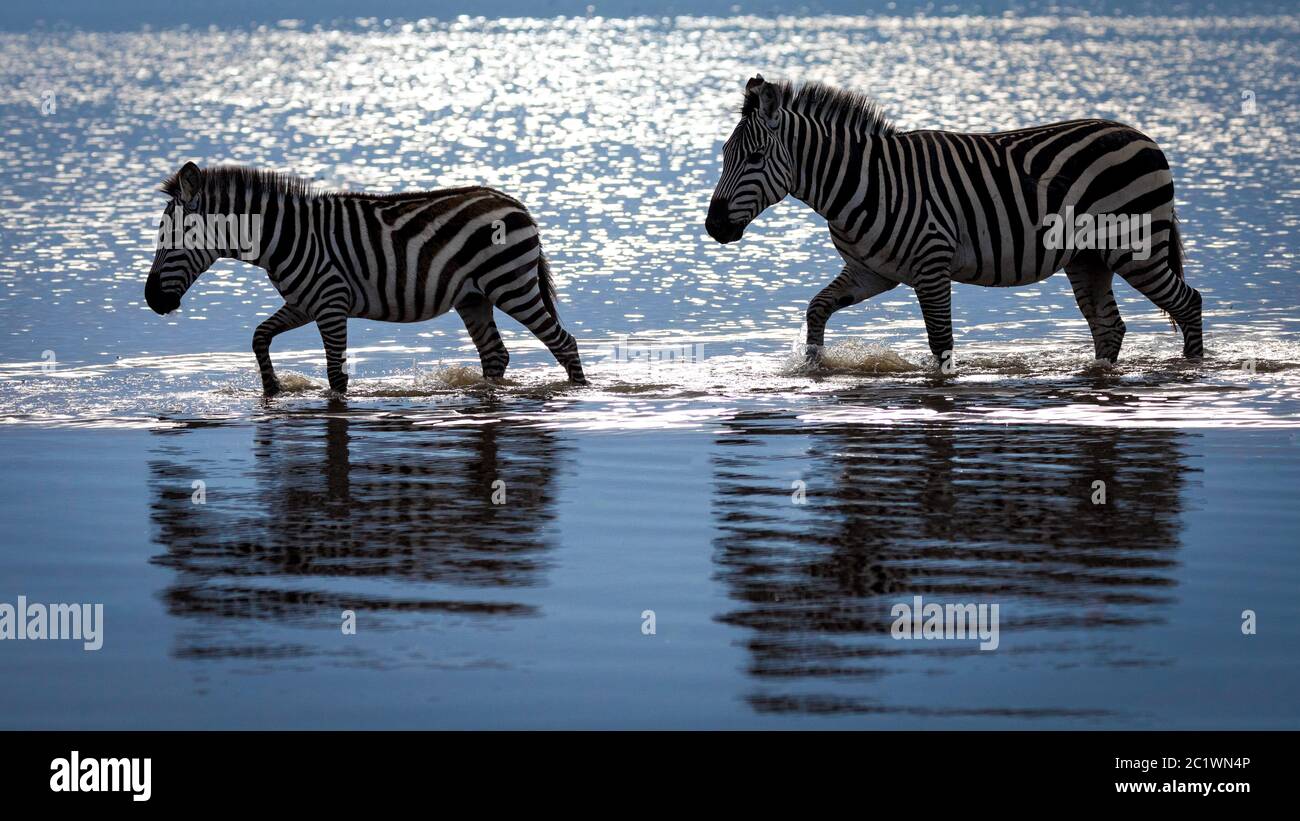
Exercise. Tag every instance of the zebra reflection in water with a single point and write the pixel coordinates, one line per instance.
(983, 513)
(330, 506)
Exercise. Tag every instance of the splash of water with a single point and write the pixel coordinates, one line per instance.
(851, 356)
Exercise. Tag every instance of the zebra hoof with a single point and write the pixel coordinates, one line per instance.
(270, 389)
(339, 385)
(812, 355)
(575, 373)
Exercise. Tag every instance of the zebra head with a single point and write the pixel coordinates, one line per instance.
(183, 253)
(755, 165)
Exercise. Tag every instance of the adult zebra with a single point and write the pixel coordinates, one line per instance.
(929, 208)
(391, 257)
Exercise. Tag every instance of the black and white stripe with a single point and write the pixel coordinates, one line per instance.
(929, 208)
(396, 258)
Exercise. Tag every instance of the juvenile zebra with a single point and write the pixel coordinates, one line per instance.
(929, 208)
(336, 255)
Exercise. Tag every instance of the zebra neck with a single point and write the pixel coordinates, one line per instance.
(830, 170)
(287, 226)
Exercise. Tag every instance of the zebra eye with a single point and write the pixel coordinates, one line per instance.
(754, 158)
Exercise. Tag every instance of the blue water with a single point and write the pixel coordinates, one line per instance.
(663, 487)
(768, 614)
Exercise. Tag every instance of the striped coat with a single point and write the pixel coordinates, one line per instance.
(395, 258)
(929, 208)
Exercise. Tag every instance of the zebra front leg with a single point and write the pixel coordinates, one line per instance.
(476, 312)
(333, 327)
(285, 319)
(934, 292)
(852, 286)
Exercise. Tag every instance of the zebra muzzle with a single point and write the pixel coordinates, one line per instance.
(161, 303)
(719, 224)
(723, 230)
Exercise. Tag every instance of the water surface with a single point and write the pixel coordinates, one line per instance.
(668, 487)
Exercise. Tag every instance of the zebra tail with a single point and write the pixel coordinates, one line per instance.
(1176, 251)
(546, 285)
(1175, 255)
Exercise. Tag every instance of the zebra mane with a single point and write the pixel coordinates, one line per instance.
(821, 101)
(219, 178)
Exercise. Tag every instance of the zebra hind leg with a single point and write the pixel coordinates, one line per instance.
(525, 304)
(1090, 278)
(1158, 283)
(476, 312)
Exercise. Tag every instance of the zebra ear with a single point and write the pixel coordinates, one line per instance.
(754, 82)
(191, 182)
(768, 105)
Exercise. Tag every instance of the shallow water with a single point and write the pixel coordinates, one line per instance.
(665, 486)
